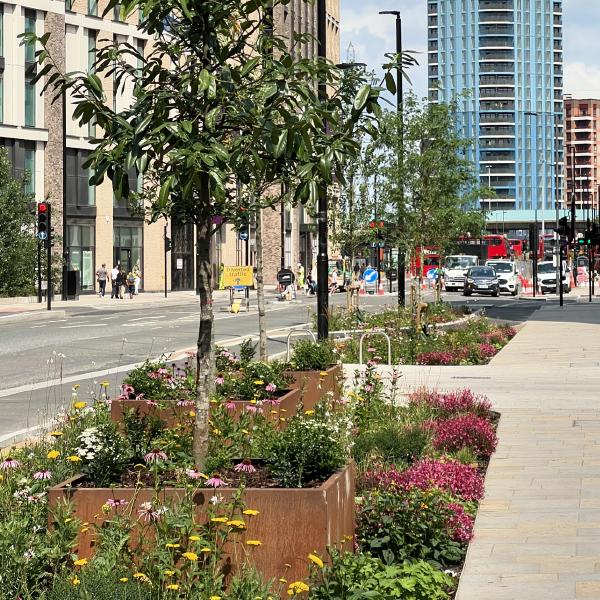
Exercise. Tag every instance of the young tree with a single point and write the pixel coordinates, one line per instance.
(215, 90)
(18, 245)
(439, 185)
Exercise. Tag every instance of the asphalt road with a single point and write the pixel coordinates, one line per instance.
(40, 360)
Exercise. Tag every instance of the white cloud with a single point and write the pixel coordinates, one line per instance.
(582, 80)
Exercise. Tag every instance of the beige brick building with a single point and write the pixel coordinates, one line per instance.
(99, 228)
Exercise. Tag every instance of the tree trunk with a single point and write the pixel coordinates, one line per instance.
(260, 290)
(205, 360)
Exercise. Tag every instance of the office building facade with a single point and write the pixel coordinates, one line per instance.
(501, 61)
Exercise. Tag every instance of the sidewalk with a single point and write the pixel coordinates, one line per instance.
(537, 534)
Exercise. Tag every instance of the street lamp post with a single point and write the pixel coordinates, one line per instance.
(399, 93)
(489, 171)
(534, 203)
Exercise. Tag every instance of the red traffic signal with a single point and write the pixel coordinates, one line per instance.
(42, 207)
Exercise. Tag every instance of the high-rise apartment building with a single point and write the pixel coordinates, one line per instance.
(99, 228)
(501, 60)
(582, 128)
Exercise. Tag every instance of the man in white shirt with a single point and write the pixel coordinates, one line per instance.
(113, 279)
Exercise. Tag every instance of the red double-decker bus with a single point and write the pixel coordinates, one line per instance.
(487, 247)
(431, 260)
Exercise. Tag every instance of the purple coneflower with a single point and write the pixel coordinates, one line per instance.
(151, 402)
(272, 401)
(155, 456)
(215, 481)
(185, 403)
(220, 380)
(252, 408)
(127, 389)
(245, 467)
(193, 473)
(9, 463)
(116, 503)
(42, 475)
(148, 513)
(230, 406)
(271, 387)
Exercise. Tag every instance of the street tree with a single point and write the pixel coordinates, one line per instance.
(215, 91)
(18, 245)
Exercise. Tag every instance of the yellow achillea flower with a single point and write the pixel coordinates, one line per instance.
(316, 560)
(251, 512)
(237, 523)
(73, 458)
(141, 576)
(309, 412)
(254, 543)
(323, 373)
(56, 433)
(79, 405)
(75, 581)
(215, 598)
(124, 579)
(194, 538)
(169, 573)
(205, 550)
(84, 529)
(297, 587)
(259, 382)
(173, 586)
(53, 454)
(172, 545)
(190, 556)
(80, 562)
(219, 519)
(105, 383)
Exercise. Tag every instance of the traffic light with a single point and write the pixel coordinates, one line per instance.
(167, 244)
(563, 227)
(44, 229)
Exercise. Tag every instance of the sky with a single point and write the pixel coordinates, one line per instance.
(369, 36)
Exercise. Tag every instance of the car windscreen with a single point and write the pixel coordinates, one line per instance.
(546, 268)
(463, 262)
(482, 272)
(501, 267)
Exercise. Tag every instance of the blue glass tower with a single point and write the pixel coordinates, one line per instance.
(502, 61)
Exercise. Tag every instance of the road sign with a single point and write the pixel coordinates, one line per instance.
(370, 275)
(237, 276)
(43, 235)
(243, 235)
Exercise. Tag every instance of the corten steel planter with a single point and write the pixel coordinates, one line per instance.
(313, 386)
(171, 414)
(292, 522)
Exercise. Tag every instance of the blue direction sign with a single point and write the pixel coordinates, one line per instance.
(243, 235)
(43, 235)
(370, 275)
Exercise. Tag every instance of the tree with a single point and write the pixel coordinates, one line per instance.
(216, 98)
(434, 191)
(18, 245)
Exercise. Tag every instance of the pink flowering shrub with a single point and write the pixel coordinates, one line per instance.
(451, 403)
(487, 350)
(446, 357)
(465, 431)
(460, 523)
(462, 481)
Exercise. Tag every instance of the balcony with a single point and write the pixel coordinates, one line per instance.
(497, 55)
(497, 67)
(495, 17)
(498, 93)
(500, 156)
(581, 118)
(496, 105)
(500, 143)
(497, 118)
(496, 5)
(504, 130)
(497, 29)
(497, 80)
(496, 42)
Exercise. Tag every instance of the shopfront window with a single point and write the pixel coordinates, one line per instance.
(128, 246)
(80, 242)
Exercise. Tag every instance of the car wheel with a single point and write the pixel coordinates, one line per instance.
(515, 292)
(496, 293)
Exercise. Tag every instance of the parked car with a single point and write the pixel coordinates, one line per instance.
(508, 276)
(481, 280)
(547, 277)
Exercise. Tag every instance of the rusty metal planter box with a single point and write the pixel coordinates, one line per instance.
(292, 522)
(313, 386)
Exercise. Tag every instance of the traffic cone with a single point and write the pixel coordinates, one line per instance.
(380, 291)
(361, 291)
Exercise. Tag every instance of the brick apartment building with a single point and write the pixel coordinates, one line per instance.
(582, 126)
(99, 228)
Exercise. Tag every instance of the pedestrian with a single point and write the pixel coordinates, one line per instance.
(120, 282)
(311, 285)
(131, 284)
(102, 275)
(138, 279)
(300, 276)
(333, 278)
(114, 274)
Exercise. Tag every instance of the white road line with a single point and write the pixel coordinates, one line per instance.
(36, 326)
(146, 318)
(81, 325)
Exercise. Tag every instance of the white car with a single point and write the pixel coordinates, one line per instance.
(508, 275)
(455, 270)
(547, 277)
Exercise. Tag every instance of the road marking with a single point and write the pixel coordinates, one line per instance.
(36, 326)
(143, 318)
(81, 325)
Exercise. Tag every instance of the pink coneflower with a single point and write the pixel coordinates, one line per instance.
(271, 387)
(215, 481)
(185, 403)
(43, 475)
(9, 463)
(371, 349)
(127, 389)
(272, 401)
(116, 503)
(252, 408)
(220, 380)
(245, 467)
(151, 402)
(368, 388)
(193, 473)
(155, 456)
(148, 513)
(230, 405)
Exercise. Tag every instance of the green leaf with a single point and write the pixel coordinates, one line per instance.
(361, 97)
(390, 83)
(165, 190)
(281, 144)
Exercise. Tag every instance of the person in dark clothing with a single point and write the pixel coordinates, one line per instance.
(120, 282)
(311, 285)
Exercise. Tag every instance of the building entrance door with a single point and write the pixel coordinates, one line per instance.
(123, 257)
(182, 257)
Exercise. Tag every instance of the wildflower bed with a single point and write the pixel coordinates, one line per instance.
(420, 476)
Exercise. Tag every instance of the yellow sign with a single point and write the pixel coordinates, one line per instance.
(237, 276)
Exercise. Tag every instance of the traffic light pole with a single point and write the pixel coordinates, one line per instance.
(48, 242)
(590, 278)
(165, 238)
(560, 272)
(39, 271)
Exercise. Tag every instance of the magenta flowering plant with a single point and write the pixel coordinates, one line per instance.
(487, 350)
(462, 481)
(447, 404)
(465, 431)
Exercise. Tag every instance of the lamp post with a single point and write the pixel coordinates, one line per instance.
(534, 203)
(399, 92)
(489, 171)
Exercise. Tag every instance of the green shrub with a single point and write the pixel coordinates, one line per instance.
(256, 381)
(96, 586)
(359, 576)
(393, 443)
(313, 356)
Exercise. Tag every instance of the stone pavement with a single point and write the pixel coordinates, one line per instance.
(537, 534)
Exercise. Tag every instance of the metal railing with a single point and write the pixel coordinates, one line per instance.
(289, 339)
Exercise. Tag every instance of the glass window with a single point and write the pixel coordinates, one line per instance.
(30, 167)
(30, 17)
(93, 7)
(29, 104)
(80, 243)
(1, 98)
(1, 30)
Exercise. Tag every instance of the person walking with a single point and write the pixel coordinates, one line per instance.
(114, 273)
(333, 286)
(138, 279)
(300, 276)
(120, 281)
(131, 284)
(102, 276)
